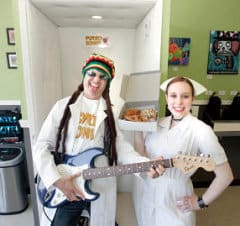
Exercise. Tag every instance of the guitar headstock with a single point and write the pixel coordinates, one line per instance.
(189, 163)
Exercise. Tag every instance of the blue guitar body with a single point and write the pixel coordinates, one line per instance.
(53, 197)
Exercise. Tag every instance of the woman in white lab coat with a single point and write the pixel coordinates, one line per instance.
(170, 199)
(76, 124)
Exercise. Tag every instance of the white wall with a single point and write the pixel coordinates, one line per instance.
(148, 41)
(41, 57)
(74, 52)
(45, 63)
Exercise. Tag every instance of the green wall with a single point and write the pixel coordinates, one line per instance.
(164, 51)
(11, 80)
(195, 19)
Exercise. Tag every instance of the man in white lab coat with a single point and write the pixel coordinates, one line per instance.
(75, 124)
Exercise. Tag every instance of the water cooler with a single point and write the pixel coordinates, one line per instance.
(13, 170)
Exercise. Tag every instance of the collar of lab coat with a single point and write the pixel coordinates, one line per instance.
(166, 122)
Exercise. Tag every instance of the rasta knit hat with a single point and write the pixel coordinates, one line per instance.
(99, 62)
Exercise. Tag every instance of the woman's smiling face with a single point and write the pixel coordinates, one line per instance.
(179, 99)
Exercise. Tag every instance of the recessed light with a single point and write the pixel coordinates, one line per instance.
(97, 17)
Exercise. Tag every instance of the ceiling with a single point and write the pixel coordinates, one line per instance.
(115, 13)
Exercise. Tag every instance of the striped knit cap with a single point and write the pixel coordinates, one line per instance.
(99, 62)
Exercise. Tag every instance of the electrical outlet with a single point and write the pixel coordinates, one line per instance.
(233, 92)
(221, 92)
(175, 68)
(209, 92)
(209, 76)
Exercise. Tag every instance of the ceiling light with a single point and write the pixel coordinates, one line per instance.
(97, 17)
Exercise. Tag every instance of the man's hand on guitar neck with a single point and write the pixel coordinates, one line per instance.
(156, 171)
(68, 186)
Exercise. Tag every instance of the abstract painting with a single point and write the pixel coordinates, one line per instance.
(179, 49)
(223, 57)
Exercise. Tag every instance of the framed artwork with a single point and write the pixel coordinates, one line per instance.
(223, 56)
(179, 50)
(12, 60)
(11, 36)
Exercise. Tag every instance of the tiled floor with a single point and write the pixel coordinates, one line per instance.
(21, 219)
(223, 212)
(125, 214)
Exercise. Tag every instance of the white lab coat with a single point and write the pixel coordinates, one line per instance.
(104, 208)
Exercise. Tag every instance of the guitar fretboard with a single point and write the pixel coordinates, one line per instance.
(109, 171)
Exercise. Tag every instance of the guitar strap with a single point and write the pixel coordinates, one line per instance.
(57, 157)
(106, 139)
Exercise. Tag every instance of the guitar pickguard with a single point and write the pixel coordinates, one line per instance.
(54, 197)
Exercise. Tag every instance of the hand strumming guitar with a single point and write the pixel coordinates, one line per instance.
(68, 186)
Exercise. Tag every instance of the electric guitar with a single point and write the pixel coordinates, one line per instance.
(84, 163)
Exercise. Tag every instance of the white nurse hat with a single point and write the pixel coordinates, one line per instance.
(198, 88)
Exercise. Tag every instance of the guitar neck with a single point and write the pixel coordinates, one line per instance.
(109, 171)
